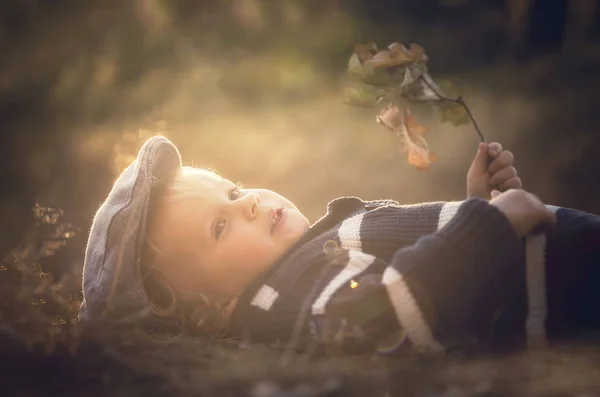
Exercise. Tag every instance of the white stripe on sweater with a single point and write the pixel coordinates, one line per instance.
(265, 297)
(358, 261)
(349, 233)
(535, 257)
(408, 312)
(447, 212)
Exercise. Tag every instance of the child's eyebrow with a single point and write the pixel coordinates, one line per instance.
(226, 183)
(214, 183)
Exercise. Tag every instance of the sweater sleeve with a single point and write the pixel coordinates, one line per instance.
(441, 289)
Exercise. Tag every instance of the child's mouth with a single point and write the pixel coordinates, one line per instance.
(276, 218)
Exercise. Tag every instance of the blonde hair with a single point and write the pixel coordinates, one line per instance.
(187, 313)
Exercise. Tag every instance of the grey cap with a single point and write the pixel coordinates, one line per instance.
(112, 282)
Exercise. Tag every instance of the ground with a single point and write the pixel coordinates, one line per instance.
(106, 82)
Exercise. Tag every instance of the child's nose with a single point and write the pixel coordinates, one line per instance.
(251, 205)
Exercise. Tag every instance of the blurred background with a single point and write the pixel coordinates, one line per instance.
(253, 88)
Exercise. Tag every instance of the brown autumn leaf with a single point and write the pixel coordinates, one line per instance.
(385, 59)
(365, 52)
(418, 53)
(410, 132)
(396, 54)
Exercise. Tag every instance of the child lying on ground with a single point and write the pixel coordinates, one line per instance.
(185, 250)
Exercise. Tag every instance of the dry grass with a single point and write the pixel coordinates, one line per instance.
(104, 77)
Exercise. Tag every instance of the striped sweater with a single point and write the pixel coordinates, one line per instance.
(428, 277)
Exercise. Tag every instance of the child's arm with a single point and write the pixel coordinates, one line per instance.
(438, 286)
(444, 288)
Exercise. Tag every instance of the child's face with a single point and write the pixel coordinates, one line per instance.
(230, 234)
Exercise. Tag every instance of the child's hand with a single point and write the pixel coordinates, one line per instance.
(492, 169)
(525, 212)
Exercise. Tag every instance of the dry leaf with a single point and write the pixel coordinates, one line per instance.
(418, 53)
(50, 247)
(46, 215)
(363, 95)
(395, 55)
(385, 59)
(453, 113)
(365, 51)
(410, 133)
(415, 53)
(398, 75)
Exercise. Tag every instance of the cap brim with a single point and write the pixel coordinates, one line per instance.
(112, 283)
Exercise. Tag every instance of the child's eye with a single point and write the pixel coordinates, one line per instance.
(235, 193)
(218, 229)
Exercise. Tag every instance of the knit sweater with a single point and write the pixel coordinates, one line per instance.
(428, 277)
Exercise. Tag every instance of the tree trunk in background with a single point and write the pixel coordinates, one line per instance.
(519, 21)
(579, 25)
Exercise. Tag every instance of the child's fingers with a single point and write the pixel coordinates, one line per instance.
(494, 149)
(504, 159)
(480, 163)
(512, 183)
(502, 176)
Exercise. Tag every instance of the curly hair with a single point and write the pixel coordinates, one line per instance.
(193, 314)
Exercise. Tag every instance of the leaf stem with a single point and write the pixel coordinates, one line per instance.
(458, 100)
